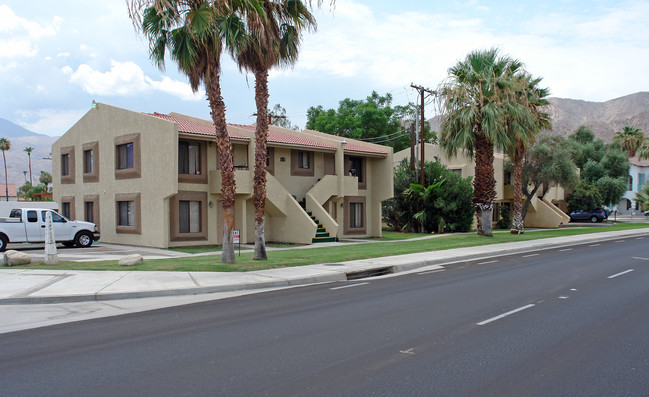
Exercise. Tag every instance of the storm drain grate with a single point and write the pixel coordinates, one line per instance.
(370, 273)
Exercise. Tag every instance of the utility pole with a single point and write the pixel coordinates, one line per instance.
(413, 142)
(422, 91)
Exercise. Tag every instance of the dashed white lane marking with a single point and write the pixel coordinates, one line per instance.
(621, 273)
(640, 258)
(563, 297)
(505, 314)
(530, 255)
(409, 351)
(639, 238)
(348, 286)
(594, 245)
(487, 262)
(565, 249)
(620, 241)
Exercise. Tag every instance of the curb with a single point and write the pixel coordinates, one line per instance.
(333, 276)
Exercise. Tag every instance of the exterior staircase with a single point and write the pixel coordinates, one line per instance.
(321, 235)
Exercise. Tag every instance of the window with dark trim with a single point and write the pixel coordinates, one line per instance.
(67, 164)
(189, 158)
(67, 207)
(91, 209)
(355, 215)
(303, 160)
(128, 213)
(302, 163)
(65, 210)
(128, 162)
(355, 166)
(91, 162)
(188, 216)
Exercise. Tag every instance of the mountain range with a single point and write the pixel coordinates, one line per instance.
(17, 159)
(603, 118)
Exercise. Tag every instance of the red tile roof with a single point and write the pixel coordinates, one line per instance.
(194, 128)
(351, 147)
(278, 137)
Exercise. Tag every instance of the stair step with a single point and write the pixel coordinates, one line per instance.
(323, 240)
(322, 234)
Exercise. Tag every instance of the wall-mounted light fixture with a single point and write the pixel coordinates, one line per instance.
(94, 104)
(210, 204)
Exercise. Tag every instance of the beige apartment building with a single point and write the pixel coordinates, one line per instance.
(152, 180)
(545, 210)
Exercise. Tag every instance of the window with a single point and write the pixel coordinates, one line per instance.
(88, 211)
(56, 218)
(356, 168)
(270, 160)
(87, 161)
(125, 156)
(507, 178)
(630, 184)
(91, 162)
(302, 163)
(65, 210)
(189, 158)
(128, 213)
(641, 181)
(303, 160)
(356, 215)
(32, 216)
(189, 216)
(65, 164)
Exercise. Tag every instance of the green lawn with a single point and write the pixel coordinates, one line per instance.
(389, 245)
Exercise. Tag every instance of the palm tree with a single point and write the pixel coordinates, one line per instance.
(473, 102)
(29, 151)
(526, 121)
(4, 146)
(630, 138)
(276, 42)
(194, 33)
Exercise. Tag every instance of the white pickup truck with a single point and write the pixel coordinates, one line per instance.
(27, 225)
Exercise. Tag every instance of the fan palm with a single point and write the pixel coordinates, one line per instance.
(526, 119)
(630, 138)
(5, 145)
(274, 42)
(473, 100)
(194, 33)
(29, 151)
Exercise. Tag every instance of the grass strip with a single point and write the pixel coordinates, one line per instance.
(301, 257)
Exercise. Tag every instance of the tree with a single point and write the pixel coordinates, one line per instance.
(274, 42)
(547, 163)
(604, 168)
(193, 34)
(443, 206)
(523, 128)
(642, 197)
(45, 179)
(4, 146)
(473, 101)
(373, 119)
(278, 117)
(585, 197)
(29, 151)
(630, 138)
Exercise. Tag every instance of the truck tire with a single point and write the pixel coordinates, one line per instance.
(3, 242)
(83, 240)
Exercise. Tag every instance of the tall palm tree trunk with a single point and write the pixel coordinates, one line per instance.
(228, 188)
(484, 184)
(31, 181)
(518, 224)
(6, 179)
(259, 182)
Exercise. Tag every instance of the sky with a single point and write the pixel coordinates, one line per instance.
(56, 57)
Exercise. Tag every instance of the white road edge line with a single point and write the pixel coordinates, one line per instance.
(530, 255)
(640, 258)
(430, 271)
(565, 249)
(505, 314)
(621, 273)
(594, 245)
(348, 286)
(487, 262)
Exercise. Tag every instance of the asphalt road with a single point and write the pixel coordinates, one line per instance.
(571, 321)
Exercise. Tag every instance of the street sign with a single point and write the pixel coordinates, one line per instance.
(235, 236)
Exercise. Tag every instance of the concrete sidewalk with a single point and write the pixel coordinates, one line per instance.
(19, 286)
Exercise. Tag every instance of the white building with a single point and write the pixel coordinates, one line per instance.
(637, 178)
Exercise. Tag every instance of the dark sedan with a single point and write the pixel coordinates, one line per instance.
(598, 215)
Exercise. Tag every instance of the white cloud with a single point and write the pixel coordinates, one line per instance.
(19, 36)
(50, 121)
(63, 55)
(126, 79)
